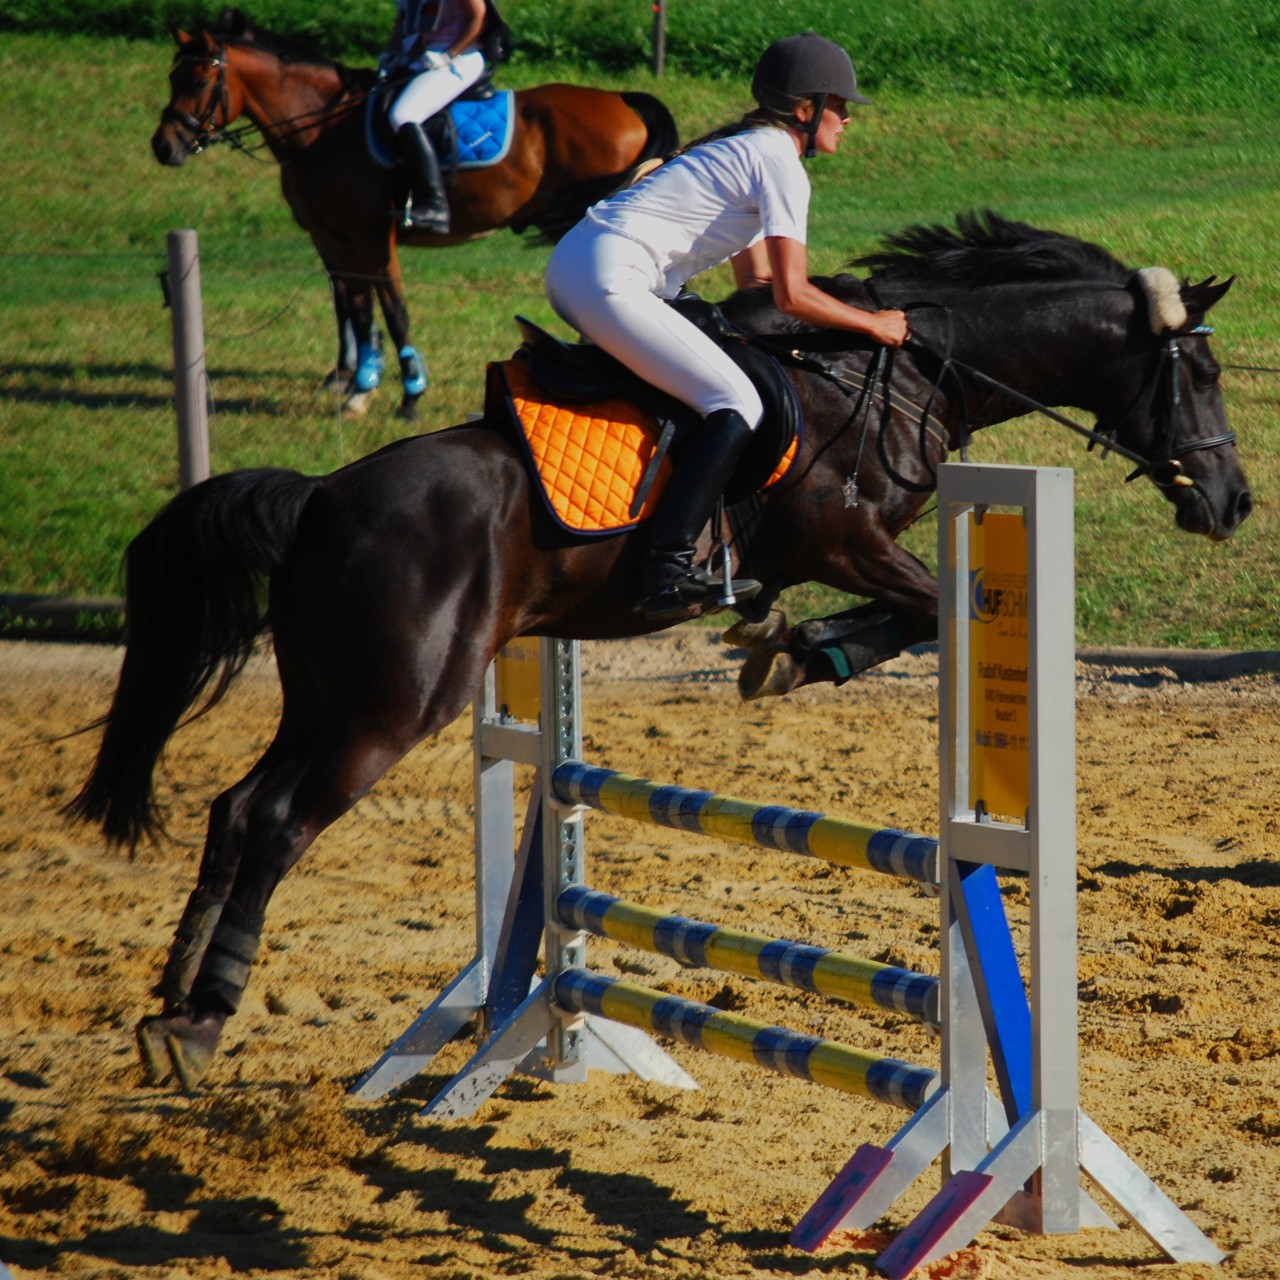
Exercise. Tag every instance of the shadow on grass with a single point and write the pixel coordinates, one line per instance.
(30, 384)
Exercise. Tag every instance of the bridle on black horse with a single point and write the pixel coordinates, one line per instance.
(1161, 394)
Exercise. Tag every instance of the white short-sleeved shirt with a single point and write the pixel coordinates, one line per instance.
(701, 208)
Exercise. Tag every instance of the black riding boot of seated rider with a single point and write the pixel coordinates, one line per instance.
(428, 209)
(672, 582)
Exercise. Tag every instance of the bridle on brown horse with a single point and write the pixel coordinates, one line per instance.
(204, 131)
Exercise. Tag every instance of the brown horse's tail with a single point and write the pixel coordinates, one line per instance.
(662, 139)
(194, 606)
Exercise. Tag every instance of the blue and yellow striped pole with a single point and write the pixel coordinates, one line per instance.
(790, 964)
(837, 840)
(729, 1035)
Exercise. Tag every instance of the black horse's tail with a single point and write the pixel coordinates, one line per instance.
(569, 206)
(194, 606)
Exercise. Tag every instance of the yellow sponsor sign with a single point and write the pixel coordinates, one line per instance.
(518, 679)
(999, 660)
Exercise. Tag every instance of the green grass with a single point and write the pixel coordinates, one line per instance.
(87, 436)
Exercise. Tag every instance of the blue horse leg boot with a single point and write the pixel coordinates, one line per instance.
(368, 366)
(413, 371)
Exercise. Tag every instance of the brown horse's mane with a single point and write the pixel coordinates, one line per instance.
(985, 249)
(233, 27)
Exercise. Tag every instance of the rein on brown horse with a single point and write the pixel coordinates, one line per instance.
(205, 132)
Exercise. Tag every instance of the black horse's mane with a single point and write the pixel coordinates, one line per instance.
(985, 249)
(982, 249)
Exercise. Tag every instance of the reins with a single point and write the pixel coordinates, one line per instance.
(1166, 472)
(205, 132)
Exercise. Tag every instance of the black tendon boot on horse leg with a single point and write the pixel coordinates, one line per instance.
(428, 208)
(187, 1034)
(825, 651)
(673, 584)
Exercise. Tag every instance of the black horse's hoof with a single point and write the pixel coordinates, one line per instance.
(769, 673)
(149, 1034)
(771, 632)
(191, 1047)
(408, 410)
(177, 1044)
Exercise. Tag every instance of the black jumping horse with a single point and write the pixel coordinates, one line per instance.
(393, 582)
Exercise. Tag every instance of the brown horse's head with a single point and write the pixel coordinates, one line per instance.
(198, 103)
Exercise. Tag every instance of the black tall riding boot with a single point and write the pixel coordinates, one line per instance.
(428, 209)
(673, 584)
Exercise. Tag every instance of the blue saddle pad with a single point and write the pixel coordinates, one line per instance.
(483, 127)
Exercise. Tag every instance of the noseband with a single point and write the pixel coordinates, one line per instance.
(1162, 395)
(203, 132)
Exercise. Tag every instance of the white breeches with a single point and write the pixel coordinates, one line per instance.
(432, 91)
(605, 286)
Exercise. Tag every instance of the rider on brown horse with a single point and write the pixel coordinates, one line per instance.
(739, 194)
(438, 44)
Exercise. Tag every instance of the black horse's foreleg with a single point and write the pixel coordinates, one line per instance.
(831, 650)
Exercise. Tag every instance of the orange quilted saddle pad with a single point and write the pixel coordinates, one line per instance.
(590, 458)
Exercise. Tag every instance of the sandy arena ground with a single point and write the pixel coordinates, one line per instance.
(270, 1171)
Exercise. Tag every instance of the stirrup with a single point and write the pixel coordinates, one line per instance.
(689, 586)
(435, 219)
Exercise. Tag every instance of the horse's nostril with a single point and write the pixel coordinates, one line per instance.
(1244, 506)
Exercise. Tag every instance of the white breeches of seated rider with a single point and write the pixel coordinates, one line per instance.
(605, 284)
(432, 91)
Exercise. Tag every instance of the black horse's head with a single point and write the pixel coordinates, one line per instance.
(1176, 424)
(1064, 322)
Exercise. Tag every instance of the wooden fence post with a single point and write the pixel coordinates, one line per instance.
(190, 379)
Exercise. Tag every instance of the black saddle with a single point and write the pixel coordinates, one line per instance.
(581, 373)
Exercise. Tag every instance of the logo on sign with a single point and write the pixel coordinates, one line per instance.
(1000, 596)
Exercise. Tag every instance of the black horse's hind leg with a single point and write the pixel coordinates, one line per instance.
(199, 921)
(306, 787)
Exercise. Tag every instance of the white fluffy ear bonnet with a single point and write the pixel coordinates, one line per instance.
(1165, 308)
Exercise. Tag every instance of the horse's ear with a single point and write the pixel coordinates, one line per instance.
(1200, 297)
(180, 37)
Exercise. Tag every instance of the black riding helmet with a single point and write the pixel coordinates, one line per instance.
(804, 66)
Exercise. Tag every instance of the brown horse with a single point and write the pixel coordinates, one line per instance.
(393, 582)
(569, 147)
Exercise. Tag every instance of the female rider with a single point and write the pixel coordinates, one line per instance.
(437, 42)
(739, 194)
